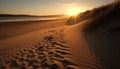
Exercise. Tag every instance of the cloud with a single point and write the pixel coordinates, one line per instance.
(67, 3)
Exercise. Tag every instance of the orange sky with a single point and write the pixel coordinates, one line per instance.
(47, 7)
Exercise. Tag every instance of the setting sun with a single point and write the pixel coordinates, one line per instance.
(73, 12)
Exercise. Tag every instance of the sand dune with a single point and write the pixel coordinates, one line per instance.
(63, 44)
(43, 45)
(103, 35)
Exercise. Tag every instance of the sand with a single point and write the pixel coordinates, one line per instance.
(44, 45)
(105, 41)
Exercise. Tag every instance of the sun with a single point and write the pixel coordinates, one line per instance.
(73, 12)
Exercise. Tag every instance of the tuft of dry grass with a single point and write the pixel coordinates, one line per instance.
(102, 16)
(99, 16)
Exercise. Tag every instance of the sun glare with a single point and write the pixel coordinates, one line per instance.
(73, 12)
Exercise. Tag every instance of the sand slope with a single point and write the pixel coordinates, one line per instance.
(105, 42)
(80, 49)
(50, 47)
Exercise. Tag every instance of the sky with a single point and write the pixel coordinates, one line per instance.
(48, 7)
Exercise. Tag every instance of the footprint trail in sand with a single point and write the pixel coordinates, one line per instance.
(49, 53)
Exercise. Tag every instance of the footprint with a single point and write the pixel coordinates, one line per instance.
(51, 53)
(2, 67)
(13, 64)
(22, 66)
(58, 55)
(54, 66)
(30, 62)
(63, 52)
(68, 61)
(58, 65)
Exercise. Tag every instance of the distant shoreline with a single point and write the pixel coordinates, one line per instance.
(25, 15)
(31, 21)
(25, 18)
